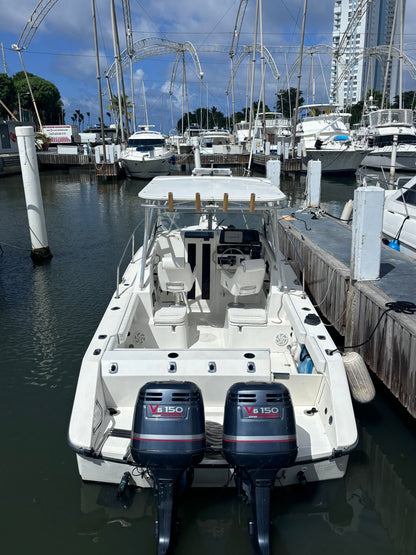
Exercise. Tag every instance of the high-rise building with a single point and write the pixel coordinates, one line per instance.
(360, 25)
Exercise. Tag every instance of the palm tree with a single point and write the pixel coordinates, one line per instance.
(79, 117)
(125, 105)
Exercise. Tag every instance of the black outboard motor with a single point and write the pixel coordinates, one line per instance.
(168, 438)
(259, 438)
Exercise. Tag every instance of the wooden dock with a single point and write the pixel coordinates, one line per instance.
(354, 308)
(9, 164)
(288, 164)
(52, 159)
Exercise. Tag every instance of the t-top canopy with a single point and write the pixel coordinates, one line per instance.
(211, 189)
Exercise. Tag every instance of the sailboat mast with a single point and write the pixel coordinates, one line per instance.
(146, 119)
(97, 63)
(401, 57)
(118, 68)
(253, 72)
(295, 117)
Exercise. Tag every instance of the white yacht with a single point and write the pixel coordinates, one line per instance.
(276, 130)
(325, 135)
(218, 142)
(381, 128)
(211, 365)
(146, 154)
(399, 221)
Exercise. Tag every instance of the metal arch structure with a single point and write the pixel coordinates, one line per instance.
(309, 51)
(37, 16)
(377, 52)
(354, 21)
(247, 50)
(152, 46)
(237, 27)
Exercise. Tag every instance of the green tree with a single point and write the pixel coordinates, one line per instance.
(408, 100)
(126, 105)
(79, 118)
(46, 95)
(372, 98)
(286, 100)
(8, 95)
(215, 119)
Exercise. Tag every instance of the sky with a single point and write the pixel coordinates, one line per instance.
(61, 50)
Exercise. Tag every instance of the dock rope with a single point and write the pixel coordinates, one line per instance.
(400, 307)
(12, 247)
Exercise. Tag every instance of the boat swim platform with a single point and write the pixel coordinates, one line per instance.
(353, 308)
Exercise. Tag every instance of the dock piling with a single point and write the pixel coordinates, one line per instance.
(33, 195)
(273, 169)
(367, 224)
(313, 183)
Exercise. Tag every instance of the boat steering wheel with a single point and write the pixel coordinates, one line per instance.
(226, 264)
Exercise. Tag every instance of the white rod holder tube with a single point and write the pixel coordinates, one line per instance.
(33, 195)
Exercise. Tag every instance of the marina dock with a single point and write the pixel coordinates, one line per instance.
(354, 309)
(53, 159)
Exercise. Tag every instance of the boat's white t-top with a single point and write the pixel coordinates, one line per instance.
(238, 189)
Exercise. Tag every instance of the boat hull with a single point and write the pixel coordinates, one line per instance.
(211, 473)
(146, 168)
(335, 161)
(380, 158)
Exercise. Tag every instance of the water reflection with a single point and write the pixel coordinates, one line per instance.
(43, 370)
(370, 511)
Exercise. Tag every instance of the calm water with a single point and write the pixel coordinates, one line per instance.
(47, 316)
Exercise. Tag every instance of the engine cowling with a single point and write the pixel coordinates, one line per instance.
(168, 425)
(259, 426)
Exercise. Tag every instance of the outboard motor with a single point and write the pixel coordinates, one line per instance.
(259, 438)
(168, 438)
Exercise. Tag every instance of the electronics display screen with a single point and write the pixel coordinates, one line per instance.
(233, 236)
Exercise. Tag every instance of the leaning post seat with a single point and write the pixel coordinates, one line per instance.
(175, 276)
(246, 280)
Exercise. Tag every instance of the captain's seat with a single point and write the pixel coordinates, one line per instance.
(246, 280)
(175, 276)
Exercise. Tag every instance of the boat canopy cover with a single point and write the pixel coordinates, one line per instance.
(211, 189)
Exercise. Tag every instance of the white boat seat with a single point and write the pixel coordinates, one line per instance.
(245, 316)
(175, 275)
(247, 278)
(174, 315)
